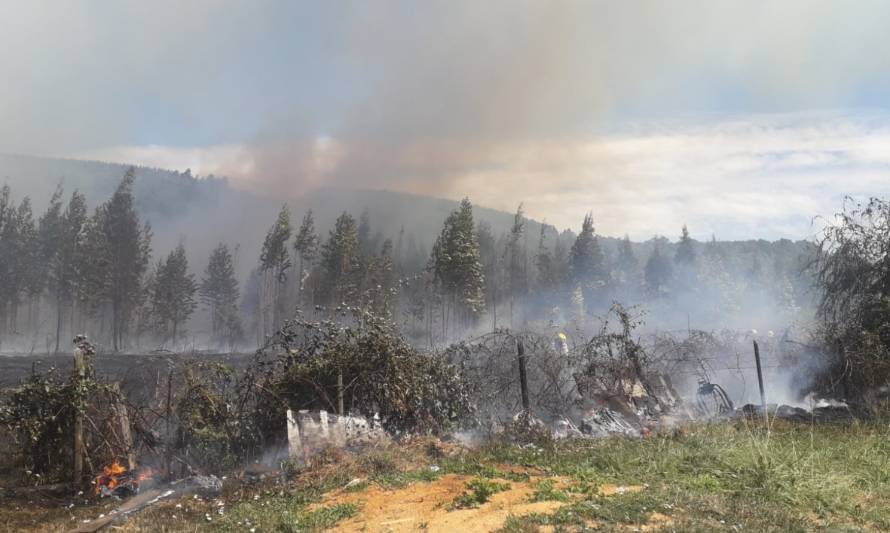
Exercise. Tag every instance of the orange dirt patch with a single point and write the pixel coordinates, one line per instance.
(425, 505)
(611, 490)
(657, 521)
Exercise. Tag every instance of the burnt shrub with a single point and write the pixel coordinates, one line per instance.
(852, 272)
(38, 416)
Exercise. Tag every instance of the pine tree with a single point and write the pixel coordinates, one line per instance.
(658, 272)
(457, 266)
(306, 248)
(29, 274)
(52, 232)
(385, 279)
(488, 254)
(93, 263)
(685, 273)
(274, 264)
(561, 266)
(546, 273)
(544, 262)
(127, 252)
(364, 233)
(6, 253)
(722, 293)
(219, 292)
(586, 259)
(251, 302)
(685, 254)
(340, 261)
(71, 259)
(627, 264)
(8, 243)
(173, 295)
(50, 228)
(515, 260)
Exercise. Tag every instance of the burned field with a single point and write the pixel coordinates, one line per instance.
(344, 425)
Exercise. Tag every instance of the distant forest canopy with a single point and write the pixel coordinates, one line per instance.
(142, 259)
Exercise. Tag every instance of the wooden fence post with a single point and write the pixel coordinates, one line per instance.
(760, 384)
(80, 377)
(523, 378)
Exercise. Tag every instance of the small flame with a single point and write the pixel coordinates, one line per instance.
(110, 476)
(145, 474)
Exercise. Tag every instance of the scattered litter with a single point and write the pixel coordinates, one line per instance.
(355, 482)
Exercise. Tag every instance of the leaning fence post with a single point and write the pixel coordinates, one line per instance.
(760, 383)
(523, 378)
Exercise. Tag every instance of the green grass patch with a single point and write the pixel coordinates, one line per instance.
(798, 477)
(545, 490)
(286, 514)
(478, 492)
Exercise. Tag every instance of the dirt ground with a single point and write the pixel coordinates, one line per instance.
(426, 506)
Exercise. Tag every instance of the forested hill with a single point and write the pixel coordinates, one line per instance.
(202, 211)
(387, 237)
(158, 192)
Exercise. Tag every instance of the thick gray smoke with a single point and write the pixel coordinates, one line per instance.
(442, 98)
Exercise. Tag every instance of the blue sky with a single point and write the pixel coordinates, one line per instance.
(651, 114)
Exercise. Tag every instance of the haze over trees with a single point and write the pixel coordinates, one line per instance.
(71, 269)
(219, 292)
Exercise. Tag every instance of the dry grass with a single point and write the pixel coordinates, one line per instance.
(700, 478)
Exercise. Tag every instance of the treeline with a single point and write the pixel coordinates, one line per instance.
(474, 280)
(72, 269)
(75, 270)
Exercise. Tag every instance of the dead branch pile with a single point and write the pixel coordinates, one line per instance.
(567, 375)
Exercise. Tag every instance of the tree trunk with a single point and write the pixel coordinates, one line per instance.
(58, 321)
(300, 285)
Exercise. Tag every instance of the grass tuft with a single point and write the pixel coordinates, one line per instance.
(478, 492)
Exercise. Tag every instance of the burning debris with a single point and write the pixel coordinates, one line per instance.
(119, 482)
